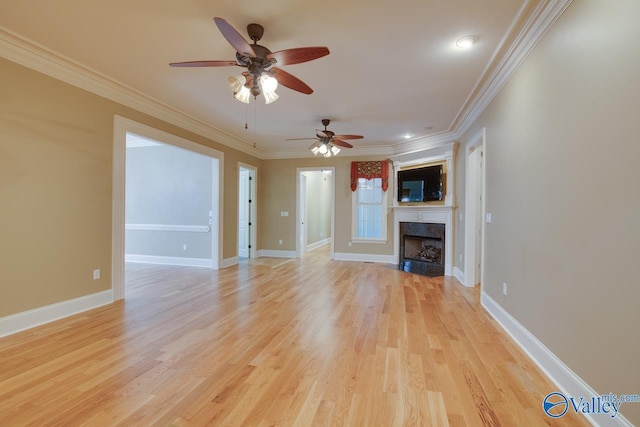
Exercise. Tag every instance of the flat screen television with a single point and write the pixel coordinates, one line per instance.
(420, 184)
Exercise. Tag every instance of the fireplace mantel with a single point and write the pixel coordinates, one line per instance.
(428, 214)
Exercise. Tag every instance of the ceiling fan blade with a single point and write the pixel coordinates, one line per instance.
(234, 38)
(300, 139)
(321, 134)
(298, 55)
(341, 143)
(290, 81)
(203, 64)
(348, 136)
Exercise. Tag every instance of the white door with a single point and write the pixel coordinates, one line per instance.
(243, 213)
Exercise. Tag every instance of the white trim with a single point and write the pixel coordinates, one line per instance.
(229, 262)
(31, 54)
(458, 274)
(560, 374)
(168, 227)
(122, 126)
(253, 173)
(318, 244)
(471, 214)
(299, 172)
(370, 241)
(346, 256)
(384, 204)
(168, 260)
(515, 46)
(276, 254)
(39, 316)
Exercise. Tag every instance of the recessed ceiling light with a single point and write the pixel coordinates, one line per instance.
(466, 42)
(407, 136)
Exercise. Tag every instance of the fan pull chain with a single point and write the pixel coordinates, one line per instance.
(255, 125)
(246, 108)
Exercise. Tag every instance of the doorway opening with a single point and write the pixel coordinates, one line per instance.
(210, 221)
(315, 209)
(475, 211)
(247, 208)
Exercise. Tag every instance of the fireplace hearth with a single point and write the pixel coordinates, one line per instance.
(422, 248)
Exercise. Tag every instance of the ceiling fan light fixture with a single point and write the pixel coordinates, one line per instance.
(270, 97)
(268, 83)
(269, 86)
(323, 149)
(334, 150)
(237, 82)
(315, 147)
(243, 95)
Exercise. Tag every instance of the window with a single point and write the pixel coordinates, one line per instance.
(369, 208)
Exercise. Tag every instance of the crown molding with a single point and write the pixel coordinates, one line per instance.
(35, 56)
(532, 22)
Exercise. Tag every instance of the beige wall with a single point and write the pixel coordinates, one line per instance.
(562, 186)
(55, 188)
(278, 193)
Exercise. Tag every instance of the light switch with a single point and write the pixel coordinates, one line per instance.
(487, 218)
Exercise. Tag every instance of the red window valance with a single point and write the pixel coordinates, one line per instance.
(370, 170)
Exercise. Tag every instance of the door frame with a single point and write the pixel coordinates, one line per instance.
(474, 213)
(299, 171)
(253, 207)
(122, 126)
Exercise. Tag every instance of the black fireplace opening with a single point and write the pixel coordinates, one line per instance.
(422, 248)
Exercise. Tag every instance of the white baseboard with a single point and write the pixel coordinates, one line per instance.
(228, 262)
(318, 244)
(345, 256)
(560, 374)
(39, 316)
(168, 260)
(276, 254)
(458, 274)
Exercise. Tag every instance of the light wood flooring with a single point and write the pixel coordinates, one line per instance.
(308, 342)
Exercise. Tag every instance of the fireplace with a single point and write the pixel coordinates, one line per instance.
(422, 248)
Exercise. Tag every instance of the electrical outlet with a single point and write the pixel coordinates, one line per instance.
(96, 274)
(280, 242)
(460, 257)
(350, 244)
(184, 247)
(504, 289)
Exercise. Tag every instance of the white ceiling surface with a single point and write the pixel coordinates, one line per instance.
(393, 69)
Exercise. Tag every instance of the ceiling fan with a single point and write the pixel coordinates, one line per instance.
(261, 75)
(328, 143)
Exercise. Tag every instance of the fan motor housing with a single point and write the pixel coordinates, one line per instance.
(255, 31)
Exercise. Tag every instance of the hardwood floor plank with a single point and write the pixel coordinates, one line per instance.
(274, 342)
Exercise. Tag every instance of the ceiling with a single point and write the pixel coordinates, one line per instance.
(393, 75)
